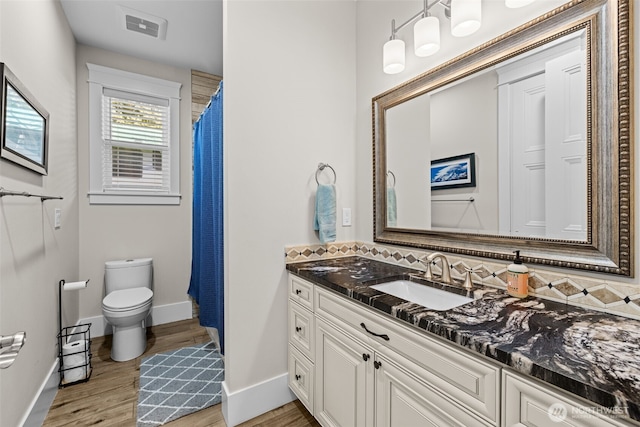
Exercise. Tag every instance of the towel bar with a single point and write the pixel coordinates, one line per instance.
(4, 192)
(470, 200)
(321, 167)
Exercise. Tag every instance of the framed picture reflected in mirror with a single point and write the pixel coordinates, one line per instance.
(453, 172)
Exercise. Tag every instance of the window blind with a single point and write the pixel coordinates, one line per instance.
(135, 133)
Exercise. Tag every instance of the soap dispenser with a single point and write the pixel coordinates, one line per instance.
(517, 277)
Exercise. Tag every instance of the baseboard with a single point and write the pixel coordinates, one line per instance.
(39, 408)
(159, 315)
(250, 402)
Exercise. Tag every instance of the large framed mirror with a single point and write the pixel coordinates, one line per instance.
(537, 124)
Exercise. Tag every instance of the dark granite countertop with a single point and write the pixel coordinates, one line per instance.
(591, 354)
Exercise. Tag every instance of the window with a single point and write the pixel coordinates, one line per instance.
(134, 138)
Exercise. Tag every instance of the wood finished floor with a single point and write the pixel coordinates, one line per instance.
(109, 398)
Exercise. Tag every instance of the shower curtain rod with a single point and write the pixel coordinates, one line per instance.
(214, 94)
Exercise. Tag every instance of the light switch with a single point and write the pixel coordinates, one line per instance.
(346, 217)
(57, 218)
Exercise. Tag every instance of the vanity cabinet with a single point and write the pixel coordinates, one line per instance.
(527, 402)
(346, 376)
(352, 366)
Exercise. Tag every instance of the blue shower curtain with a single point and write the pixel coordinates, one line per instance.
(207, 265)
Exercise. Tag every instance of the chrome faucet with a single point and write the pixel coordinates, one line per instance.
(446, 270)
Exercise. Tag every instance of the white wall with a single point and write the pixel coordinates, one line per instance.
(37, 45)
(289, 104)
(408, 127)
(111, 232)
(464, 119)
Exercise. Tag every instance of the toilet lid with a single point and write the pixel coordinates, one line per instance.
(127, 299)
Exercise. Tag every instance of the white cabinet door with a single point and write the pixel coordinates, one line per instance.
(403, 400)
(528, 403)
(344, 379)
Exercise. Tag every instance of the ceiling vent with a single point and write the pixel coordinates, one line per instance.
(140, 22)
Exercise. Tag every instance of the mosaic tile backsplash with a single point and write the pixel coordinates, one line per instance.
(603, 295)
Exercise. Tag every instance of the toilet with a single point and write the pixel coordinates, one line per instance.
(127, 304)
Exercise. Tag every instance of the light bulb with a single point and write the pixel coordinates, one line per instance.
(466, 17)
(393, 56)
(517, 3)
(426, 36)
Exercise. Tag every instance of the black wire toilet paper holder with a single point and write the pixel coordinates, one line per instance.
(70, 334)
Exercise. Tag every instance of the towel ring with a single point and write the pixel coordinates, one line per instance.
(394, 179)
(321, 167)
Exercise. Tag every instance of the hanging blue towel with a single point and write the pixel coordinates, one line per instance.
(392, 213)
(324, 220)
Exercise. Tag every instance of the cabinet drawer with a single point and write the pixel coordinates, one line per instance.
(459, 374)
(301, 377)
(301, 291)
(301, 330)
(528, 403)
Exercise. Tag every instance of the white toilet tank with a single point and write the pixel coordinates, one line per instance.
(127, 274)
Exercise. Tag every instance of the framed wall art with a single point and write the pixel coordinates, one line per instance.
(24, 130)
(453, 172)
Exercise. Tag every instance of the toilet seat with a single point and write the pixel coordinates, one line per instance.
(127, 299)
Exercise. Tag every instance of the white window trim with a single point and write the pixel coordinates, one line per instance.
(101, 77)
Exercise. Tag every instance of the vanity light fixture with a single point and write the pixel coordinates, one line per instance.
(393, 55)
(517, 3)
(426, 36)
(465, 16)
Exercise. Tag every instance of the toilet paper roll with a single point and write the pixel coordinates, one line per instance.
(75, 361)
(72, 286)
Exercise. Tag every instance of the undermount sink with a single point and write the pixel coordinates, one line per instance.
(426, 296)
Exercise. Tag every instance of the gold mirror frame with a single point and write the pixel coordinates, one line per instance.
(610, 193)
